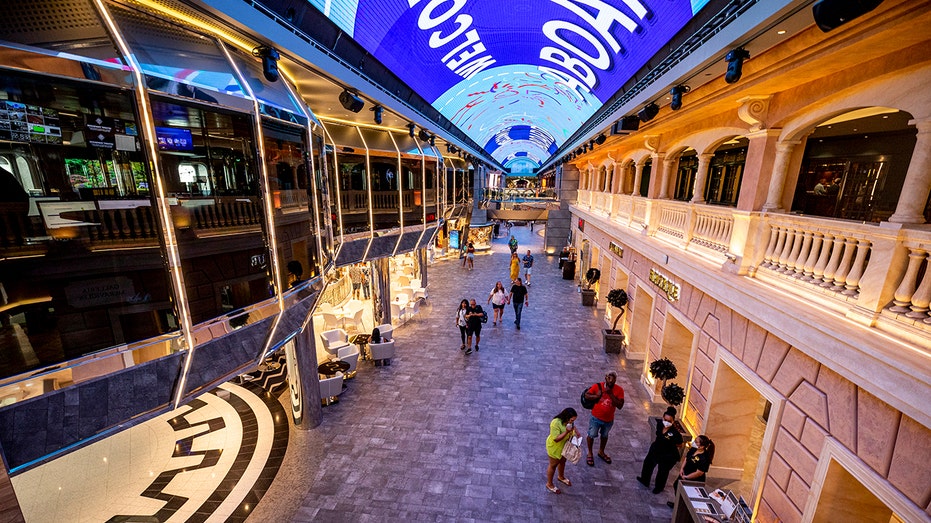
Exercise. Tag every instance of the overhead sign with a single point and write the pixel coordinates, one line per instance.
(671, 288)
(517, 77)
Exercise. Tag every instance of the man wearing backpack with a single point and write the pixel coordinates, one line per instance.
(475, 316)
(608, 397)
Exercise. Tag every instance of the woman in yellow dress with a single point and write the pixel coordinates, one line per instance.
(515, 266)
(561, 429)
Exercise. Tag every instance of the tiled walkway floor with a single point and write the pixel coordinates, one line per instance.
(441, 436)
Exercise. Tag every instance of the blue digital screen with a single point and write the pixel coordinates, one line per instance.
(174, 139)
(518, 77)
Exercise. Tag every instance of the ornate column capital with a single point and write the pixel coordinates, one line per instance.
(651, 142)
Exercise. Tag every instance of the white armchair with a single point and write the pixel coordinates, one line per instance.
(349, 355)
(330, 321)
(398, 311)
(355, 321)
(382, 352)
(333, 340)
(386, 330)
(330, 388)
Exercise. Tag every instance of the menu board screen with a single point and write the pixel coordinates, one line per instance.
(21, 122)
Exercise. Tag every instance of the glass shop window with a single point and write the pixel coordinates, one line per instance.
(81, 263)
(208, 157)
(354, 198)
(725, 174)
(685, 177)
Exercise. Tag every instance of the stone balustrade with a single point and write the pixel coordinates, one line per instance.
(805, 254)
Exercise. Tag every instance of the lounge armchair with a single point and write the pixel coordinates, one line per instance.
(351, 356)
(330, 388)
(382, 352)
(333, 340)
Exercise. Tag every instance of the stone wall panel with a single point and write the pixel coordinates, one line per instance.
(910, 470)
(772, 357)
(796, 455)
(842, 406)
(797, 491)
(812, 402)
(781, 504)
(813, 437)
(779, 471)
(793, 420)
(753, 345)
(724, 315)
(795, 367)
(877, 426)
(711, 327)
(738, 335)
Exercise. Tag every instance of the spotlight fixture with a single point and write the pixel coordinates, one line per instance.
(269, 58)
(601, 139)
(676, 94)
(735, 63)
(423, 135)
(379, 111)
(410, 129)
(648, 112)
(432, 140)
(350, 101)
(591, 144)
(829, 14)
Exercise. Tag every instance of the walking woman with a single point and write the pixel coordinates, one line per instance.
(497, 299)
(561, 429)
(697, 462)
(461, 320)
(515, 266)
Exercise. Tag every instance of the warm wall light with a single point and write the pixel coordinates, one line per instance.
(648, 113)
(350, 101)
(270, 59)
(735, 62)
(676, 94)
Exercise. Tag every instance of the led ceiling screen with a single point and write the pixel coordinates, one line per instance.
(517, 76)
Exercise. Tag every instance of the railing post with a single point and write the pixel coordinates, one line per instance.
(859, 265)
(837, 249)
(808, 268)
(906, 289)
(840, 277)
(922, 299)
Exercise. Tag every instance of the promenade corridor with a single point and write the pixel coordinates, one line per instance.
(442, 436)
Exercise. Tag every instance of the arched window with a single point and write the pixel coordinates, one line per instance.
(726, 172)
(685, 176)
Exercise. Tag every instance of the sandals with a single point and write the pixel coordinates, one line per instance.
(565, 481)
(590, 461)
(605, 458)
(554, 490)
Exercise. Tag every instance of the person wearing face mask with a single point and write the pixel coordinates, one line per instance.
(663, 454)
(697, 462)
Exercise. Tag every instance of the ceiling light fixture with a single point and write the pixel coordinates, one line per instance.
(676, 94)
(379, 111)
(601, 139)
(350, 101)
(735, 62)
(648, 112)
(410, 129)
(270, 57)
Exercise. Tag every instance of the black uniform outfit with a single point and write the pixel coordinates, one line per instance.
(474, 323)
(694, 462)
(663, 455)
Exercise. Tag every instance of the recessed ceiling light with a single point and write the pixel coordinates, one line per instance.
(885, 116)
(854, 130)
(781, 32)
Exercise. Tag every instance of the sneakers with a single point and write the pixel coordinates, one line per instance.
(468, 351)
(463, 347)
(476, 347)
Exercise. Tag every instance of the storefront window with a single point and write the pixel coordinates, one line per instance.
(685, 177)
(81, 265)
(725, 174)
(208, 160)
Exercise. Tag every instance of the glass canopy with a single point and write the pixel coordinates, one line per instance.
(518, 77)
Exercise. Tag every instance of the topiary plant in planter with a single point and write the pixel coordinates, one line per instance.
(617, 298)
(588, 295)
(663, 369)
(673, 394)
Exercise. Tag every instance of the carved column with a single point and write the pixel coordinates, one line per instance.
(914, 193)
(778, 181)
(638, 177)
(701, 178)
(669, 173)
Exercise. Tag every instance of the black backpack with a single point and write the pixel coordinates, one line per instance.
(588, 404)
(484, 317)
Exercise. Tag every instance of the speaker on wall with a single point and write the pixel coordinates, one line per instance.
(830, 14)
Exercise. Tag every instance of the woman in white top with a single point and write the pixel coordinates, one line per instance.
(498, 298)
(461, 320)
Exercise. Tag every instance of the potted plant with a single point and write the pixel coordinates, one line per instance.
(588, 294)
(613, 338)
(664, 369)
(673, 394)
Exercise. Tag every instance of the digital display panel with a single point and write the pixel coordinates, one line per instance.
(172, 139)
(518, 77)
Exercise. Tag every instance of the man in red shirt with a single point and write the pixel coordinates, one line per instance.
(607, 396)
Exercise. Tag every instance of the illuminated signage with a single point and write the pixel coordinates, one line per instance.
(518, 77)
(671, 288)
(616, 249)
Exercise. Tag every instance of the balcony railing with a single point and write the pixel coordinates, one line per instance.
(852, 265)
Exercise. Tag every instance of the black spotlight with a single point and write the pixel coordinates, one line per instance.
(423, 135)
(410, 129)
(601, 139)
(379, 111)
(432, 140)
(350, 101)
(676, 94)
(269, 58)
(591, 144)
(829, 14)
(735, 64)
(648, 113)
